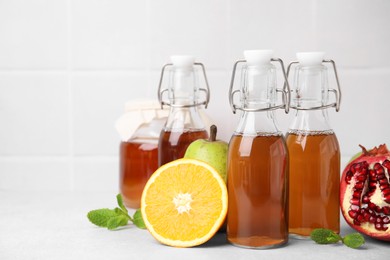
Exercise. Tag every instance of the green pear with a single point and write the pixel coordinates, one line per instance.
(211, 151)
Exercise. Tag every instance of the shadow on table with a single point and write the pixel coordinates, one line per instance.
(217, 240)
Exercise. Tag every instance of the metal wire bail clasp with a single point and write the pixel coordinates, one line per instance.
(337, 91)
(165, 100)
(285, 91)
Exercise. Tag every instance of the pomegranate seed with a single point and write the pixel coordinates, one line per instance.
(353, 168)
(355, 222)
(381, 176)
(372, 219)
(352, 213)
(366, 216)
(378, 220)
(355, 208)
(386, 220)
(372, 185)
(354, 201)
(384, 186)
(386, 210)
(371, 206)
(378, 226)
(379, 169)
(361, 178)
(378, 209)
(359, 185)
(360, 218)
(372, 173)
(386, 163)
(348, 176)
(356, 194)
(387, 198)
(384, 228)
(365, 199)
(386, 191)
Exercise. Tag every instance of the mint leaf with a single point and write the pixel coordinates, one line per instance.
(100, 217)
(119, 199)
(324, 236)
(114, 218)
(117, 221)
(138, 220)
(353, 240)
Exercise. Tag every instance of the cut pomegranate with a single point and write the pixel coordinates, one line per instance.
(365, 193)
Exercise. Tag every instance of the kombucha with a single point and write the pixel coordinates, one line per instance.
(138, 160)
(314, 182)
(257, 191)
(173, 145)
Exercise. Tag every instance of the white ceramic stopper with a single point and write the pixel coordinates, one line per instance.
(183, 61)
(310, 58)
(258, 57)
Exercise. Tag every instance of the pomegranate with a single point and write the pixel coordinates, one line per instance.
(365, 193)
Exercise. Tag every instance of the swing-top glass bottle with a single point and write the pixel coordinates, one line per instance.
(257, 158)
(183, 95)
(313, 148)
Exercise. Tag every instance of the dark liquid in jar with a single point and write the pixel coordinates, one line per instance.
(173, 145)
(314, 182)
(257, 191)
(138, 160)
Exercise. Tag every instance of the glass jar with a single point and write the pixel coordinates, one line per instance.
(314, 150)
(140, 128)
(257, 159)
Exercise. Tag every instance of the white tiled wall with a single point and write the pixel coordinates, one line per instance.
(68, 66)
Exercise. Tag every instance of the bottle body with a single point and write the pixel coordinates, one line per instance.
(257, 185)
(137, 162)
(173, 144)
(314, 181)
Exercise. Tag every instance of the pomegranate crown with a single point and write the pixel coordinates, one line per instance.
(381, 150)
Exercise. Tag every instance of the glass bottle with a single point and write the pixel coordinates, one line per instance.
(184, 124)
(314, 150)
(257, 158)
(140, 129)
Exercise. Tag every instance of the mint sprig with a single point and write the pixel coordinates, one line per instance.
(327, 236)
(114, 218)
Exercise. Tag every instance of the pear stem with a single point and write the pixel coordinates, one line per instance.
(213, 133)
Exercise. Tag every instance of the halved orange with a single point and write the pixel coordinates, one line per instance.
(184, 203)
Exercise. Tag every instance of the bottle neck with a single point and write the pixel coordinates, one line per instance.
(181, 119)
(183, 87)
(310, 87)
(314, 121)
(257, 123)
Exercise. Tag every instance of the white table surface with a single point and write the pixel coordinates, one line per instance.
(53, 225)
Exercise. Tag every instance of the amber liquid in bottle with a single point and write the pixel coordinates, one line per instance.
(138, 161)
(257, 185)
(173, 145)
(314, 182)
